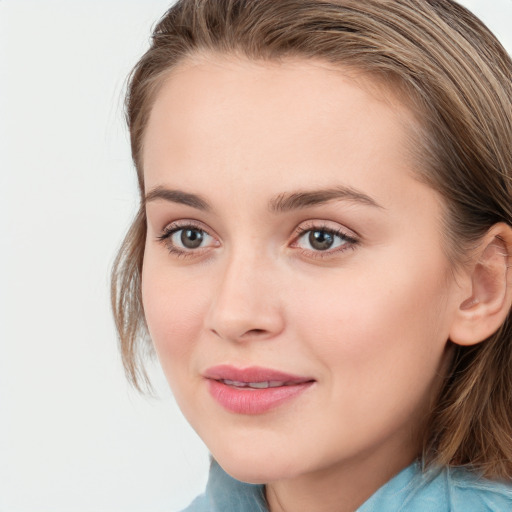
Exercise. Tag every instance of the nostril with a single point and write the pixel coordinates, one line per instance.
(251, 333)
(255, 332)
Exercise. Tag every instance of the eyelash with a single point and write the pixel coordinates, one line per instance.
(169, 231)
(349, 242)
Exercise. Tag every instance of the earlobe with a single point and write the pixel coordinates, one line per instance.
(485, 309)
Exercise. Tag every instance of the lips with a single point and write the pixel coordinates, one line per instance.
(253, 390)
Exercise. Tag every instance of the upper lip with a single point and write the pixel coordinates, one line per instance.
(252, 374)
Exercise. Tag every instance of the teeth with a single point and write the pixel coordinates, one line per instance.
(266, 384)
(236, 383)
(259, 385)
(254, 385)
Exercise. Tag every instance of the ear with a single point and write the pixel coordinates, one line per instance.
(488, 290)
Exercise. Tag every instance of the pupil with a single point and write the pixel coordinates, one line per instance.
(320, 240)
(191, 238)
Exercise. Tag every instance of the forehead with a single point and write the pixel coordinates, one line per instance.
(217, 116)
(211, 83)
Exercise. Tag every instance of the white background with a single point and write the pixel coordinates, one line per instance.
(73, 436)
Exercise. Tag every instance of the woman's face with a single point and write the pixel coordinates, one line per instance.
(294, 281)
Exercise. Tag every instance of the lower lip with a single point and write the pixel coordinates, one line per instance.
(254, 401)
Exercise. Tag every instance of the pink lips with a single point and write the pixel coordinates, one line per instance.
(253, 390)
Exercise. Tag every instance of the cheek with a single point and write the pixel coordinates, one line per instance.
(368, 323)
(173, 308)
(380, 341)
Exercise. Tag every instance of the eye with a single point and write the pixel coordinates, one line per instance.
(189, 238)
(186, 239)
(323, 240)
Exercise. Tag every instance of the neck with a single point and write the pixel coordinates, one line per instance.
(341, 488)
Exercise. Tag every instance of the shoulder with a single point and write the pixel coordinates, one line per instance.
(445, 490)
(471, 493)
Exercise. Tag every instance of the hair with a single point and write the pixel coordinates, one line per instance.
(457, 79)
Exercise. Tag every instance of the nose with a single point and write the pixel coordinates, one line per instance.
(246, 301)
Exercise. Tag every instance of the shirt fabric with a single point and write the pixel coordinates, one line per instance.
(412, 490)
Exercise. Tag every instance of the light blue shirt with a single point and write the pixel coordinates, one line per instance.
(447, 490)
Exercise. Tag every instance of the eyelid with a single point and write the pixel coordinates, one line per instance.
(180, 224)
(326, 225)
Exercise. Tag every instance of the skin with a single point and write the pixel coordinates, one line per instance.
(367, 319)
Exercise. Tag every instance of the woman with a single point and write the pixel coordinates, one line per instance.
(321, 257)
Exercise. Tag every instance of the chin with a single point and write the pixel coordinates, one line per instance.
(256, 466)
(250, 473)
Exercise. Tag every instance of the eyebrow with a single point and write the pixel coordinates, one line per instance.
(298, 200)
(281, 203)
(177, 196)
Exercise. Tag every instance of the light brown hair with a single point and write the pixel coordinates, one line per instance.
(457, 79)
